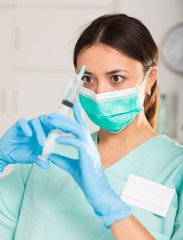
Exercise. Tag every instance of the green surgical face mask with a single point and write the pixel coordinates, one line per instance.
(112, 111)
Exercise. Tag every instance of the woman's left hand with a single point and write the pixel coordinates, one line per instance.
(87, 170)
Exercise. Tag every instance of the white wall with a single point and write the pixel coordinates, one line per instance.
(159, 16)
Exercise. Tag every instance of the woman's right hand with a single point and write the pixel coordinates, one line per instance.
(22, 143)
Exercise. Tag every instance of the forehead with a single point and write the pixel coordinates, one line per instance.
(103, 56)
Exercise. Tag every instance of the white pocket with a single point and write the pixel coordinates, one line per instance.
(148, 195)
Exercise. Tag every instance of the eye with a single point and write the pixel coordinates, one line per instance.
(117, 78)
(87, 79)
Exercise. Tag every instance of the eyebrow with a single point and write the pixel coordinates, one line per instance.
(116, 71)
(109, 73)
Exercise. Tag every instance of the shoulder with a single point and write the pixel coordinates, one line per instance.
(171, 147)
(165, 147)
(169, 141)
(168, 153)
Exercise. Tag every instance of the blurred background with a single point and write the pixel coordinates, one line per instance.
(36, 45)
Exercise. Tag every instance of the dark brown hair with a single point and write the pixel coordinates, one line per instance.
(131, 37)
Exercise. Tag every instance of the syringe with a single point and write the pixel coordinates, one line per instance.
(66, 109)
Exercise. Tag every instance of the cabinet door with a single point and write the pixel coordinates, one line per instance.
(6, 39)
(6, 48)
(39, 93)
(46, 36)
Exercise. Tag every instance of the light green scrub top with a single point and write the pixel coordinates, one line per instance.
(38, 204)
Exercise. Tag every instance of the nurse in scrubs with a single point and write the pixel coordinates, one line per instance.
(127, 180)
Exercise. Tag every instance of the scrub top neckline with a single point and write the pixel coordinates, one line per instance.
(95, 139)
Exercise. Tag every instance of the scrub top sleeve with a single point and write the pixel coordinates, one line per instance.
(178, 226)
(12, 188)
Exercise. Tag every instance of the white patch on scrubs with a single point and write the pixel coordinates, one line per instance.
(148, 195)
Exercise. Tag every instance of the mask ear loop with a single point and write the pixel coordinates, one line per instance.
(145, 77)
(139, 85)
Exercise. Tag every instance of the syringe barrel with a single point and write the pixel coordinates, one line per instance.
(66, 108)
(73, 90)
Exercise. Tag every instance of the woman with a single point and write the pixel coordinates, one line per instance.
(79, 194)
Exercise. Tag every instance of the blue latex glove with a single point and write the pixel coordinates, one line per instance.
(87, 170)
(22, 143)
